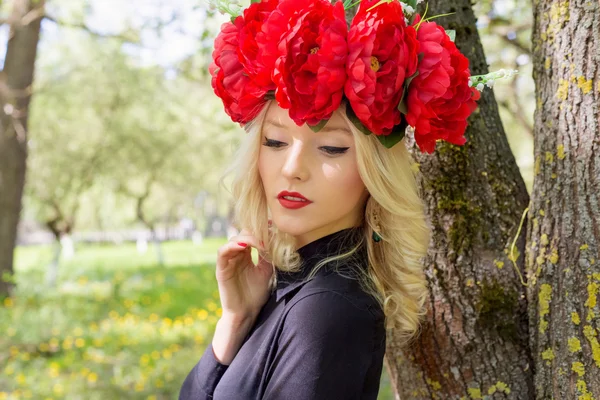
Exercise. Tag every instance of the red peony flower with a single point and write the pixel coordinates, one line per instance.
(254, 17)
(383, 53)
(305, 41)
(238, 78)
(439, 98)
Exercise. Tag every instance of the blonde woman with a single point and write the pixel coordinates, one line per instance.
(324, 189)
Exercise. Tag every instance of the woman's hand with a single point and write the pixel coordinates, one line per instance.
(243, 286)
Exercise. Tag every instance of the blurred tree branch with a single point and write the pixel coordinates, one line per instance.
(518, 109)
(127, 36)
(503, 28)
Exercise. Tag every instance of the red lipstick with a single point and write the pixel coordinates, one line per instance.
(293, 201)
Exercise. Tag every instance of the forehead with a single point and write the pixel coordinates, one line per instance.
(277, 117)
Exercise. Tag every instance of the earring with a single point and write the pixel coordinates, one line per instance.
(375, 218)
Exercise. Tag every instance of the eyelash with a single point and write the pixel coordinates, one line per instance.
(328, 149)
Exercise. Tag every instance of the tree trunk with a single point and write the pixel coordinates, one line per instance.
(564, 217)
(15, 94)
(474, 341)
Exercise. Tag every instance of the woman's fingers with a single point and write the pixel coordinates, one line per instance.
(230, 250)
(247, 238)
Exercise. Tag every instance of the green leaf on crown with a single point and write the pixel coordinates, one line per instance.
(412, 3)
(316, 128)
(395, 136)
(402, 107)
(354, 119)
(270, 95)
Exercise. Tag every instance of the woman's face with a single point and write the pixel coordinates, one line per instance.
(320, 166)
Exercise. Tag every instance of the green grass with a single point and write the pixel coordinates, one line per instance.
(116, 326)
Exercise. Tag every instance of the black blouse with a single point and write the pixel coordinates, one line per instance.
(324, 339)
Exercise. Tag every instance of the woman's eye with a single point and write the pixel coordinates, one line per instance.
(334, 150)
(273, 143)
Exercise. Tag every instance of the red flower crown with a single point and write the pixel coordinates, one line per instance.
(392, 71)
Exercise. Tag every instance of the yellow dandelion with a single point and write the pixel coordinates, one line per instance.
(144, 359)
(20, 379)
(67, 343)
(53, 372)
(57, 389)
(92, 377)
(202, 314)
(155, 355)
(139, 387)
(8, 302)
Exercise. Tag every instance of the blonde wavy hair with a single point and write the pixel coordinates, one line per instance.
(395, 274)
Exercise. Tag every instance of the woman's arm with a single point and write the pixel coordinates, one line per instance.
(229, 336)
(243, 291)
(329, 348)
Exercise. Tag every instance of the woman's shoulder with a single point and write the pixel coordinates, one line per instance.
(319, 313)
(335, 292)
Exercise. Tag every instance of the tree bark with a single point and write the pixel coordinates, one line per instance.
(563, 243)
(474, 341)
(15, 94)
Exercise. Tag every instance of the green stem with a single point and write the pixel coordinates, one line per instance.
(437, 16)
(422, 18)
(347, 4)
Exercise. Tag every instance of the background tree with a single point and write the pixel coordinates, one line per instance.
(16, 80)
(563, 246)
(474, 341)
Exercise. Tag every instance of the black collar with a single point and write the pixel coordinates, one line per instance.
(315, 251)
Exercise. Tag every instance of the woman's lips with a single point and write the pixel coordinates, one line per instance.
(292, 204)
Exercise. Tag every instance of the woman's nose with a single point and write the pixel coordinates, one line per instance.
(296, 163)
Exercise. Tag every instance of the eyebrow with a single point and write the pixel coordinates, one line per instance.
(277, 124)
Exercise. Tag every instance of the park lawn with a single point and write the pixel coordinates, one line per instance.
(116, 326)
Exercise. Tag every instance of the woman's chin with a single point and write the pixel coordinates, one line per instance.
(291, 226)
